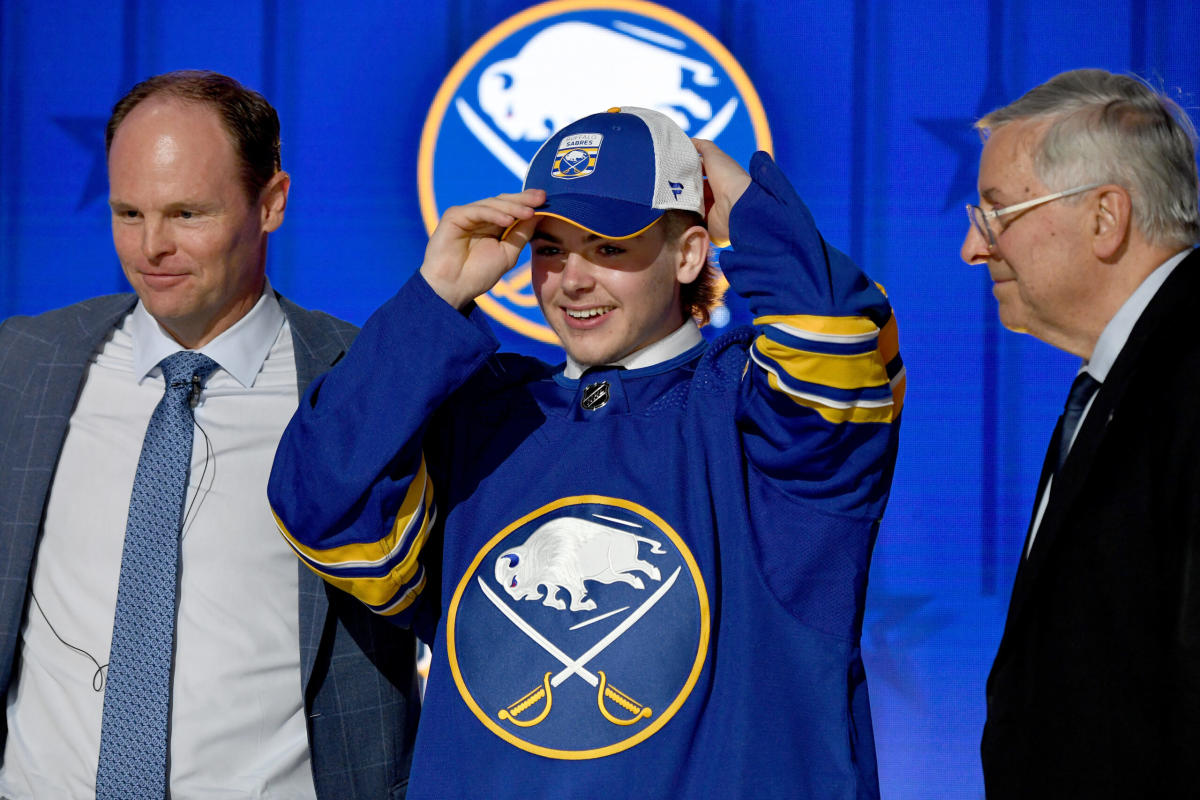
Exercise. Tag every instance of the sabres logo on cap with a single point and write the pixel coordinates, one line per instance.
(576, 156)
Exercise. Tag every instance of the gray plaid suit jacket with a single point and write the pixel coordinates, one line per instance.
(357, 670)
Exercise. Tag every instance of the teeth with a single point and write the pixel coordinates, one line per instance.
(588, 313)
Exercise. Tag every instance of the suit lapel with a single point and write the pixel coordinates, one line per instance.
(54, 354)
(1021, 582)
(1065, 491)
(317, 347)
(319, 340)
(57, 369)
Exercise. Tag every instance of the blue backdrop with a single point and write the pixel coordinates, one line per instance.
(869, 107)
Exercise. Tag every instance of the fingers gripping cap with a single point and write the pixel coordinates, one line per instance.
(615, 173)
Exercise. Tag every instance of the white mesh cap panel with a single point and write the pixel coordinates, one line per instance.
(676, 161)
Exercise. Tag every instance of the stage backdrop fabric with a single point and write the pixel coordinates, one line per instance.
(867, 106)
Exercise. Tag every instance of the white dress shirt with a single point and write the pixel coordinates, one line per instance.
(679, 341)
(1104, 354)
(237, 726)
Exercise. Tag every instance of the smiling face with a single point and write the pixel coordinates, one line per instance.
(190, 241)
(1044, 277)
(606, 298)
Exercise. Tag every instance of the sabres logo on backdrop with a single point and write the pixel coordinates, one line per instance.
(580, 629)
(550, 65)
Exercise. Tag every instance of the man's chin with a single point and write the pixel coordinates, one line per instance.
(164, 307)
(1011, 321)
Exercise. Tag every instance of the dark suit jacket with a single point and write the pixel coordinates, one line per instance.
(357, 670)
(1095, 691)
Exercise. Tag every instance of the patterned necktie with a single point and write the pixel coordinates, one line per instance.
(1082, 390)
(133, 735)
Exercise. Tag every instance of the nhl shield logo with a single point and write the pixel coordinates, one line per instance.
(550, 630)
(552, 64)
(595, 396)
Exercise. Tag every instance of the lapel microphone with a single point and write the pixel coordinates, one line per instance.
(194, 394)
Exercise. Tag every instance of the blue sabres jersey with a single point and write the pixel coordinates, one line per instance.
(645, 581)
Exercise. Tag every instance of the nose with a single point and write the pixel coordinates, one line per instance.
(576, 274)
(157, 240)
(974, 247)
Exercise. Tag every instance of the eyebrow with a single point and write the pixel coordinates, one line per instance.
(990, 197)
(175, 205)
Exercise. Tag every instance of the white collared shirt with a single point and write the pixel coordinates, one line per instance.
(1108, 346)
(682, 339)
(237, 715)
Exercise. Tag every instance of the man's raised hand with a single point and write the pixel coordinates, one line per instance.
(726, 183)
(465, 256)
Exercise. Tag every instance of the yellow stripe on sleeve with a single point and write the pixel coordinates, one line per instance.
(404, 601)
(889, 351)
(889, 341)
(417, 500)
(824, 326)
(376, 590)
(857, 371)
(834, 414)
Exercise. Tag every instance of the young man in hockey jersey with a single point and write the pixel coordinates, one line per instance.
(647, 565)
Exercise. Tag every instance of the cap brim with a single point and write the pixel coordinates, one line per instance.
(602, 216)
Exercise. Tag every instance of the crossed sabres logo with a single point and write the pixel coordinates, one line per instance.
(577, 547)
(552, 64)
(575, 163)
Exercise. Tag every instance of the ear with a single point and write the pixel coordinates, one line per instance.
(1111, 222)
(273, 201)
(693, 249)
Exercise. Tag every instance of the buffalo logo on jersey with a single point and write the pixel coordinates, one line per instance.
(580, 629)
(555, 63)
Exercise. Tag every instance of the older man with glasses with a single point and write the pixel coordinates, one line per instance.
(1086, 224)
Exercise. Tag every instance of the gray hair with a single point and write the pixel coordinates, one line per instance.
(1106, 128)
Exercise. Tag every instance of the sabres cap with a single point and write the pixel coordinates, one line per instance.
(615, 173)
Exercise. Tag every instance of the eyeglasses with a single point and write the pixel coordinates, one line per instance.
(979, 218)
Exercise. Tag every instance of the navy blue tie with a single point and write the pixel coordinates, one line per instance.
(137, 700)
(1082, 390)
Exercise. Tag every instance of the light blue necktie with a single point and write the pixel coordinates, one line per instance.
(137, 700)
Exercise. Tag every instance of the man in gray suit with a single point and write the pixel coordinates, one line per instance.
(280, 686)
